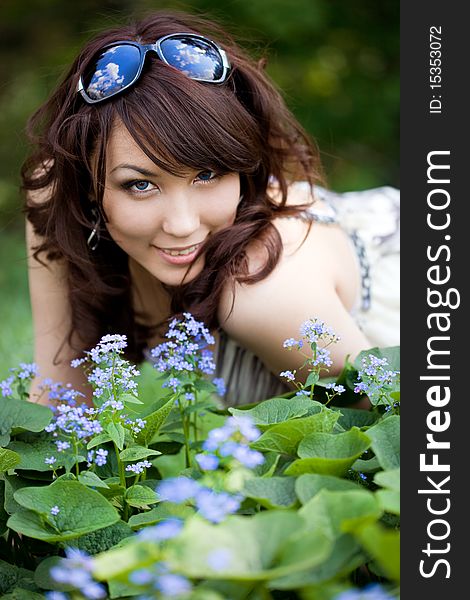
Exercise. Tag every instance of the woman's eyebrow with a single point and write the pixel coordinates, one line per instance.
(140, 170)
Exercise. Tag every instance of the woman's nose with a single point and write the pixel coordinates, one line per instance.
(181, 219)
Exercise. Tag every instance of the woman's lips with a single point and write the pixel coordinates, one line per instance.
(183, 257)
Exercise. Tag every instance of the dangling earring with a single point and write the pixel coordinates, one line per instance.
(240, 199)
(94, 237)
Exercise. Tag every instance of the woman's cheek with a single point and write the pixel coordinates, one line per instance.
(130, 224)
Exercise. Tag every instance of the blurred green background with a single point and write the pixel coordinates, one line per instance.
(336, 61)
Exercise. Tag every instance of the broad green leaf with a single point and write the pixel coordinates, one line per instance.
(130, 399)
(162, 511)
(117, 433)
(153, 422)
(271, 492)
(269, 544)
(356, 417)
(118, 562)
(3, 512)
(141, 496)
(278, 410)
(20, 593)
(389, 479)
(118, 589)
(91, 480)
(101, 438)
(389, 497)
(385, 436)
(329, 454)
(268, 468)
(312, 378)
(366, 466)
(285, 437)
(12, 483)
(82, 510)
(8, 459)
(23, 415)
(170, 465)
(4, 440)
(309, 485)
(339, 512)
(42, 576)
(33, 455)
(102, 539)
(12, 576)
(383, 544)
(391, 353)
(345, 557)
(137, 453)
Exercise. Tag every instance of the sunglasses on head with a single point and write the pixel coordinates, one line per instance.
(119, 65)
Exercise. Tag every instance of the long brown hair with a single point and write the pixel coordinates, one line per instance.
(240, 126)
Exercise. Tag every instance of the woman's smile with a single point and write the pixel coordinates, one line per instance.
(162, 220)
(182, 256)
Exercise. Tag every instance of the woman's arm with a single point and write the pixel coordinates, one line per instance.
(305, 284)
(51, 321)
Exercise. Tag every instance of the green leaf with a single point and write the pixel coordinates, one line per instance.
(278, 410)
(339, 512)
(391, 353)
(268, 467)
(153, 422)
(102, 539)
(137, 453)
(284, 438)
(312, 378)
(366, 466)
(91, 480)
(383, 544)
(34, 453)
(117, 433)
(141, 496)
(12, 576)
(356, 417)
(162, 511)
(101, 438)
(130, 399)
(82, 510)
(43, 579)
(271, 492)
(118, 589)
(345, 557)
(389, 497)
(329, 454)
(23, 415)
(270, 544)
(385, 436)
(8, 459)
(309, 485)
(22, 594)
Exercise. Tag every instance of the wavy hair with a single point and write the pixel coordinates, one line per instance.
(242, 126)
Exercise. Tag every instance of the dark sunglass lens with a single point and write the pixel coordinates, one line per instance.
(113, 69)
(196, 58)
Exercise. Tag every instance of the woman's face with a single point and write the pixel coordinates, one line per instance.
(159, 219)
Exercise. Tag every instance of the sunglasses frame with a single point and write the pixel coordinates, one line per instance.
(156, 47)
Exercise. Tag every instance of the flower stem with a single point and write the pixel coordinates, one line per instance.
(184, 420)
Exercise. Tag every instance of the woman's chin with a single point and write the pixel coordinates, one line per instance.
(175, 276)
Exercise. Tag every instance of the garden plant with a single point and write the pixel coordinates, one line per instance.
(180, 497)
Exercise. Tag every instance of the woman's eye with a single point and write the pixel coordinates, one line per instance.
(206, 176)
(141, 186)
(138, 185)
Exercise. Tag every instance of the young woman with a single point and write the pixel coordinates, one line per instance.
(168, 176)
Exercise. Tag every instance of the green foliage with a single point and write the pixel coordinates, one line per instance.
(323, 505)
